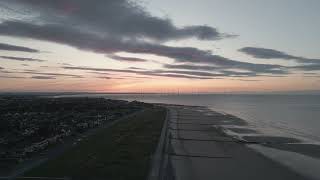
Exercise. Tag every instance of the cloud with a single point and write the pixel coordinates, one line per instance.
(116, 18)
(309, 67)
(128, 59)
(112, 44)
(188, 73)
(265, 53)
(106, 77)
(310, 73)
(65, 64)
(136, 68)
(37, 73)
(255, 72)
(12, 77)
(103, 77)
(43, 77)
(8, 47)
(246, 80)
(51, 74)
(57, 74)
(99, 69)
(163, 73)
(136, 77)
(176, 75)
(193, 73)
(5, 71)
(100, 73)
(191, 67)
(22, 59)
(112, 26)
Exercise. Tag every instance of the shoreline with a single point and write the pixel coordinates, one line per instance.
(241, 131)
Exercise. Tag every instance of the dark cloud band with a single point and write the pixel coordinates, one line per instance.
(265, 53)
(9, 47)
(116, 18)
(43, 77)
(22, 59)
(128, 59)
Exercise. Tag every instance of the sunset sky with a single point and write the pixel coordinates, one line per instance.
(159, 45)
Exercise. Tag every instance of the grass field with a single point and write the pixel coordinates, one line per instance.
(122, 151)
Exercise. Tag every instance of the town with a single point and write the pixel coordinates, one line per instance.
(31, 125)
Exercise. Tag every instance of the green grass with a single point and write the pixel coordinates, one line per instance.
(122, 151)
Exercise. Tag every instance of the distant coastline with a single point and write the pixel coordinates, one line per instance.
(305, 92)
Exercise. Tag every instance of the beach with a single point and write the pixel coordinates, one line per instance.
(196, 146)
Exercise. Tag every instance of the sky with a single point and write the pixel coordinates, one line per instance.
(202, 46)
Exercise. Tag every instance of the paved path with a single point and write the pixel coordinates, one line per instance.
(197, 150)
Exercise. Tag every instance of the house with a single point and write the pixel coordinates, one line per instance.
(83, 125)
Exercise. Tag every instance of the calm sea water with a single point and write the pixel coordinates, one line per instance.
(289, 115)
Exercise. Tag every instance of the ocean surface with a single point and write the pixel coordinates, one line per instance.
(295, 116)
